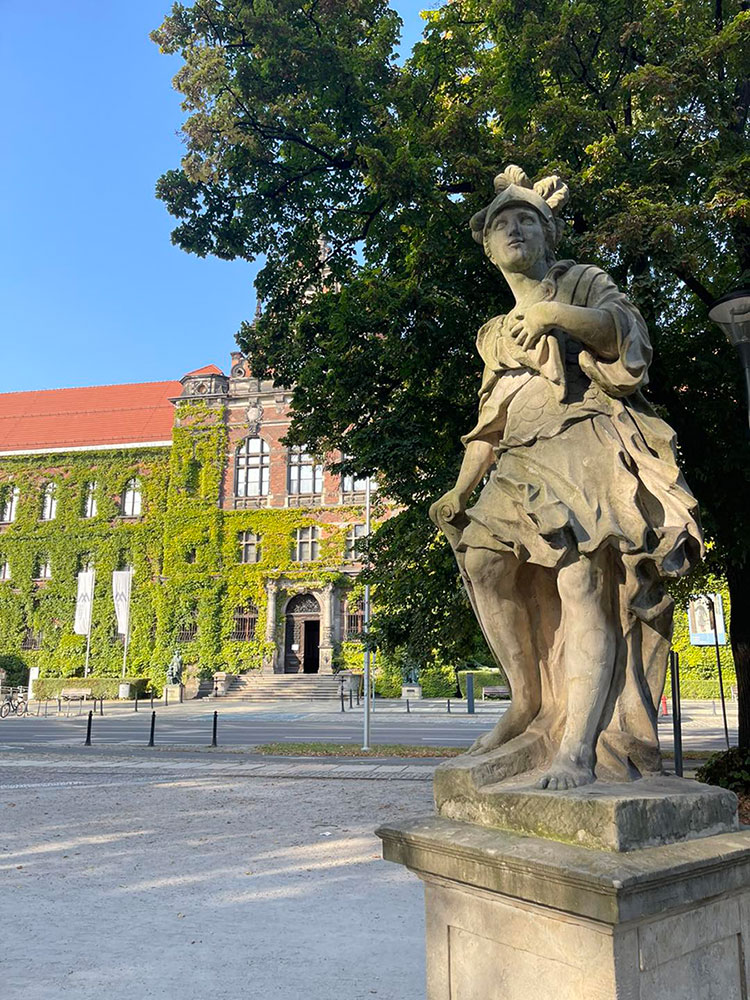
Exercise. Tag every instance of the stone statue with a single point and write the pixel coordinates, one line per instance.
(583, 516)
(174, 670)
(410, 673)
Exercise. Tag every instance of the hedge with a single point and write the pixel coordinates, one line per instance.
(101, 687)
(489, 677)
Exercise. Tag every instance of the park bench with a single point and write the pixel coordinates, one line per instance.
(498, 691)
(75, 694)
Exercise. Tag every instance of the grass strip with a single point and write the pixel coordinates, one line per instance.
(353, 750)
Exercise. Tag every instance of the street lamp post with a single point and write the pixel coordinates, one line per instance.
(732, 313)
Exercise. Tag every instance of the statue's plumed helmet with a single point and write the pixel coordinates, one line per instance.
(513, 187)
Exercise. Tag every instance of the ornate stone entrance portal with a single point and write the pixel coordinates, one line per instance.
(302, 638)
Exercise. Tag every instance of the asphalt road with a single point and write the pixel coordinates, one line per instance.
(191, 725)
(240, 729)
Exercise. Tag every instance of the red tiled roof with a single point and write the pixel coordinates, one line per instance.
(97, 416)
(207, 370)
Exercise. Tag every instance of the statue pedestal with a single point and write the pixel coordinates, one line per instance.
(523, 917)
(173, 693)
(412, 691)
(539, 916)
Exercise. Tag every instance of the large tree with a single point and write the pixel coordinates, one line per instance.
(355, 175)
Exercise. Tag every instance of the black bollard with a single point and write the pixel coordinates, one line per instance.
(38, 708)
(342, 698)
(470, 693)
(449, 706)
(408, 710)
(674, 669)
(153, 727)
(213, 735)
(351, 696)
(136, 702)
(152, 699)
(45, 708)
(88, 730)
(101, 706)
(166, 696)
(59, 706)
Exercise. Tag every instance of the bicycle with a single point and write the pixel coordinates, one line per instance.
(14, 702)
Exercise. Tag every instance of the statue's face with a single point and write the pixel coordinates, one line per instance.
(516, 241)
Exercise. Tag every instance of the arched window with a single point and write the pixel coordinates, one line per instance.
(89, 499)
(9, 504)
(131, 499)
(251, 468)
(305, 474)
(245, 623)
(49, 502)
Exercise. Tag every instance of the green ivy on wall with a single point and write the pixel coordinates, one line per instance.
(183, 549)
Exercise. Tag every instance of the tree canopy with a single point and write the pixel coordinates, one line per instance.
(354, 176)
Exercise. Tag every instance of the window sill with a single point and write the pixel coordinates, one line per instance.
(249, 503)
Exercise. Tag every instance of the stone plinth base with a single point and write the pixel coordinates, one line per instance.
(524, 918)
(173, 693)
(609, 816)
(412, 691)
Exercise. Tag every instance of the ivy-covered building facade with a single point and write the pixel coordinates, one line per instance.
(244, 552)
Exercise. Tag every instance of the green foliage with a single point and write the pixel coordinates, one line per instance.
(301, 126)
(729, 769)
(487, 677)
(100, 687)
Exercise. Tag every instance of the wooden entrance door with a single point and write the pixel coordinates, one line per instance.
(302, 639)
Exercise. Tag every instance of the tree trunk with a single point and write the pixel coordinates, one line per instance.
(738, 578)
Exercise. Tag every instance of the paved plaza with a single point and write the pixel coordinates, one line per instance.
(133, 876)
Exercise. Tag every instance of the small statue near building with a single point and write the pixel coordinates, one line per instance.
(174, 670)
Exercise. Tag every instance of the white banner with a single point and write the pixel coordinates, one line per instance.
(121, 580)
(84, 602)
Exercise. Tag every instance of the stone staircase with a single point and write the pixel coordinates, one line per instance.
(292, 687)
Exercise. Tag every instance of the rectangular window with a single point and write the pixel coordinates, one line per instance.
(249, 544)
(89, 500)
(245, 622)
(9, 507)
(43, 569)
(131, 499)
(306, 544)
(4, 570)
(305, 475)
(31, 639)
(353, 620)
(353, 551)
(49, 502)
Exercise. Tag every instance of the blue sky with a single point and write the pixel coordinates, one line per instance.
(91, 289)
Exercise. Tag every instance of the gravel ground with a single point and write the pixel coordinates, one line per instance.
(187, 886)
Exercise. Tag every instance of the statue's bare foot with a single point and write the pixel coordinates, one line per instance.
(569, 770)
(512, 724)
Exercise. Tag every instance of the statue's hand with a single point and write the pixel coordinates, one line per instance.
(447, 508)
(528, 326)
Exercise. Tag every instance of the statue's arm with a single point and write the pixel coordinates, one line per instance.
(594, 328)
(478, 458)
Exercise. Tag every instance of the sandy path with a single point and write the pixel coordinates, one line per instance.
(194, 888)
